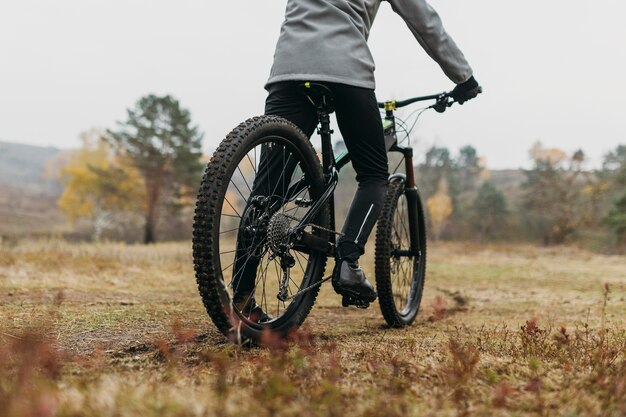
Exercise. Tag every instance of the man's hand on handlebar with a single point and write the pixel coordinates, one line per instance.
(466, 91)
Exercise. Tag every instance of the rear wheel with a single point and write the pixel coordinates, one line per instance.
(400, 272)
(255, 188)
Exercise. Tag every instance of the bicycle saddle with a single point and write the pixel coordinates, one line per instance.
(320, 96)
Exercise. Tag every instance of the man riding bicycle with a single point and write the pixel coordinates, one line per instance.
(325, 41)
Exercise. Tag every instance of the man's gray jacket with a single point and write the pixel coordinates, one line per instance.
(326, 40)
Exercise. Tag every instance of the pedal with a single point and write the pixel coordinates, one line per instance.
(348, 301)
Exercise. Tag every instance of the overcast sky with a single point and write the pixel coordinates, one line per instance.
(553, 70)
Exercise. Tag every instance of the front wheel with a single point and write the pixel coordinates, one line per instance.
(401, 254)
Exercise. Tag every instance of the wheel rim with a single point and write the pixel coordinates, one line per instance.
(248, 213)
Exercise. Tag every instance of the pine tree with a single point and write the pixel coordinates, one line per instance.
(166, 149)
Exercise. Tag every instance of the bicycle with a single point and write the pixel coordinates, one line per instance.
(281, 227)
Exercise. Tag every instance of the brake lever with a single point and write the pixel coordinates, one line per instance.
(443, 102)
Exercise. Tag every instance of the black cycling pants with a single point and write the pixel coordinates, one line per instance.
(361, 127)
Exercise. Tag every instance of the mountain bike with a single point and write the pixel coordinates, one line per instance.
(265, 219)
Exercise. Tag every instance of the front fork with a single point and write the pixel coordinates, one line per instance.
(412, 197)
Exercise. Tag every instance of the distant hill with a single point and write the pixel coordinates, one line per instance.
(27, 195)
(22, 168)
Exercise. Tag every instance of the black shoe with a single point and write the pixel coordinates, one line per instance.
(350, 282)
(248, 306)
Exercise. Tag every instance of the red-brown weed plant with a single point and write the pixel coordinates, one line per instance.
(182, 334)
(224, 366)
(562, 338)
(533, 338)
(534, 385)
(29, 366)
(174, 351)
(439, 309)
(501, 394)
(460, 371)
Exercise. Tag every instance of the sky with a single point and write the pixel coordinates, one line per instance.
(552, 70)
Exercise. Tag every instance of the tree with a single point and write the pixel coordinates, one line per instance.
(490, 211)
(617, 220)
(469, 167)
(98, 184)
(165, 148)
(437, 165)
(461, 175)
(614, 168)
(553, 192)
(615, 161)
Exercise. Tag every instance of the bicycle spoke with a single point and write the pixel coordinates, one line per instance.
(224, 269)
(244, 179)
(248, 156)
(264, 294)
(248, 257)
(239, 191)
(276, 267)
(300, 263)
(255, 160)
(282, 173)
(231, 206)
(398, 166)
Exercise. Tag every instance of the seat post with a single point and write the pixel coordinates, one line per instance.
(328, 163)
(322, 98)
(325, 133)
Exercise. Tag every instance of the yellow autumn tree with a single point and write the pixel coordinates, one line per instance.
(440, 208)
(98, 184)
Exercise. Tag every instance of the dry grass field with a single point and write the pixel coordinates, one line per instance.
(115, 330)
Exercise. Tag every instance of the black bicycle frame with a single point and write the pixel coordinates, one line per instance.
(331, 167)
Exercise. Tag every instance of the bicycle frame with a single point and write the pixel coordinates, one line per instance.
(332, 165)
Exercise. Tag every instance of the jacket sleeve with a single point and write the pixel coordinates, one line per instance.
(427, 28)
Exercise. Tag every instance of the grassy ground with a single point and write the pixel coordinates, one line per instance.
(113, 330)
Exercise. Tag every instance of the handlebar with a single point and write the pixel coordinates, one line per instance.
(443, 101)
(403, 103)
